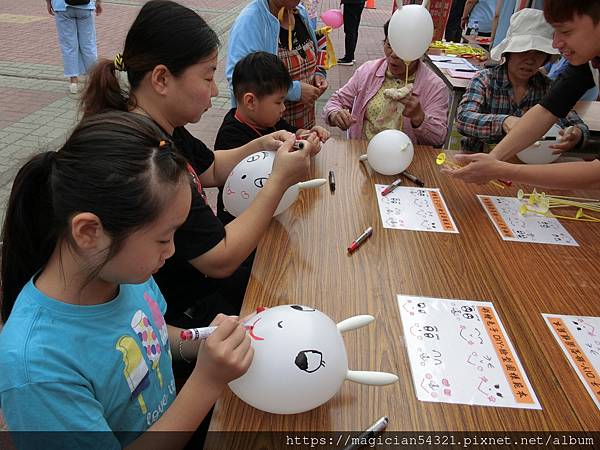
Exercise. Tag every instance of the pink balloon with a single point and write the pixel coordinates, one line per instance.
(333, 18)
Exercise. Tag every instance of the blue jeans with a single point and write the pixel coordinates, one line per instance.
(77, 39)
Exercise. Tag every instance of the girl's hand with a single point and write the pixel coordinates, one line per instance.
(569, 138)
(478, 168)
(226, 354)
(291, 165)
(274, 140)
(309, 94)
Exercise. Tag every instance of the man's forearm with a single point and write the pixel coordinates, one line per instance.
(530, 128)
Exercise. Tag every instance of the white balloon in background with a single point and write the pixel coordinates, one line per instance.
(389, 152)
(299, 360)
(540, 152)
(249, 176)
(410, 32)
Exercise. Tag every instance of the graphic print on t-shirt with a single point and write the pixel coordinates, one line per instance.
(136, 370)
(159, 321)
(141, 325)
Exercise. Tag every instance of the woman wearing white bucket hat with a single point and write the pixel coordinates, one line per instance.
(576, 26)
(496, 98)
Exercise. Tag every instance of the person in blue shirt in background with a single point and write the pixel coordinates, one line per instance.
(480, 11)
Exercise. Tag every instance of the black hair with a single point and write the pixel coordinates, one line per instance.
(557, 11)
(260, 73)
(113, 165)
(164, 32)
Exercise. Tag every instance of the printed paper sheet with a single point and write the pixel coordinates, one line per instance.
(418, 209)
(460, 352)
(579, 338)
(531, 227)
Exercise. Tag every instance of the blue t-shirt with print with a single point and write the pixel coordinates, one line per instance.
(483, 12)
(105, 368)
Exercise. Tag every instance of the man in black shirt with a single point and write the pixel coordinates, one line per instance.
(577, 36)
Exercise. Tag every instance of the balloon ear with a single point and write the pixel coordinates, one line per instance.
(310, 184)
(352, 323)
(371, 378)
(425, 4)
(363, 157)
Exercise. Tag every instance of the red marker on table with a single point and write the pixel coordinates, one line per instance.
(391, 187)
(359, 240)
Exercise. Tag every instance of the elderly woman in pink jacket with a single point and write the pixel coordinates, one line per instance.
(377, 97)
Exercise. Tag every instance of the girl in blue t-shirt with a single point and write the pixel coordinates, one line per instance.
(85, 346)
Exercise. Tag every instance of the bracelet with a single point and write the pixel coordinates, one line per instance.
(181, 352)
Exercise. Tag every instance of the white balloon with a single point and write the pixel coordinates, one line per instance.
(540, 152)
(410, 32)
(247, 179)
(299, 360)
(390, 152)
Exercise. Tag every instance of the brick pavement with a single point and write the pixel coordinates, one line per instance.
(36, 110)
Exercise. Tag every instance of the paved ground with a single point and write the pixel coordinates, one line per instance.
(36, 110)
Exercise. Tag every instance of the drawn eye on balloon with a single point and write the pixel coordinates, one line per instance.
(260, 182)
(253, 158)
(302, 308)
(265, 154)
(309, 360)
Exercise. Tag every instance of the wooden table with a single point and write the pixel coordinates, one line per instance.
(589, 113)
(456, 86)
(303, 260)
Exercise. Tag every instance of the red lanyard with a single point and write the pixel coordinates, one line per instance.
(239, 119)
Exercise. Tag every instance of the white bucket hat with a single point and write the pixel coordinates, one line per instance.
(528, 30)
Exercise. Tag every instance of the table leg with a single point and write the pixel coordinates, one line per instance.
(455, 100)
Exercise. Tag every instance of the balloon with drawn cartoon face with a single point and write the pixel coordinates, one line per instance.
(249, 176)
(247, 179)
(299, 360)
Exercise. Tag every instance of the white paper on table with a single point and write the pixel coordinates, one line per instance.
(512, 226)
(412, 208)
(451, 62)
(579, 338)
(459, 352)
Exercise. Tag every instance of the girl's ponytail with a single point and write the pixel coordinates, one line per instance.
(103, 91)
(29, 233)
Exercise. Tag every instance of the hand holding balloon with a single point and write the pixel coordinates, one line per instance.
(413, 110)
(225, 355)
(274, 140)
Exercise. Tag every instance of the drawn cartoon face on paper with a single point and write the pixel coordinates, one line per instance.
(425, 213)
(393, 211)
(431, 357)
(429, 225)
(434, 387)
(546, 224)
(420, 202)
(593, 347)
(517, 223)
(492, 391)
(297, 350)
(584, 326)
(480, 362)
(523, 234)
(561, 237)
(425, 332)
(415, 307)
(471, 334)
(465, 312)
(395, 222)
(418, 193)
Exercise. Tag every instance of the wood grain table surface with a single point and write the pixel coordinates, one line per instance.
(303, 260)
(589, 113)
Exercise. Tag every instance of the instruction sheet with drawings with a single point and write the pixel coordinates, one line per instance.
(513, 226)
(459, 352)
(579, 339)
(413, 208)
